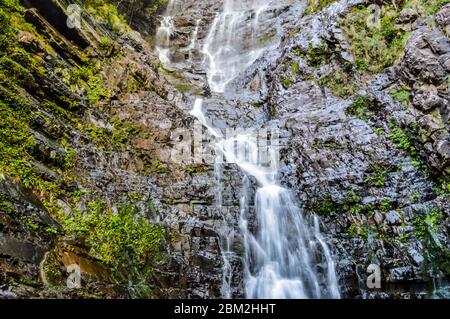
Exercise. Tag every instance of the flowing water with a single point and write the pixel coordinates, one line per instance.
(165, 32)
(286, 256)
(237, 37)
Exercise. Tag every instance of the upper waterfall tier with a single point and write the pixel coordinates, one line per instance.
(237, 37)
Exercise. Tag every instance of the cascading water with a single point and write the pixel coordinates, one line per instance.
(165, 33)
(236, 39)
(286, 256)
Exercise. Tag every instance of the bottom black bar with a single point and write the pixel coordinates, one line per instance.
(180, 309)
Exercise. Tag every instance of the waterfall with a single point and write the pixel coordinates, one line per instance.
(236, 39)
(286, 255)
(165, 32)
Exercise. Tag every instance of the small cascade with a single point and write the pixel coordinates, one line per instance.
(238, 36)
(194, 44)
(163, 36)
(165, 32)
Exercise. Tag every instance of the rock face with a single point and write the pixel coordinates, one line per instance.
(371, 194)
(372, 183)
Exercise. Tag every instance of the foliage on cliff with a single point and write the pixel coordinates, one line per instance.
(48, 87)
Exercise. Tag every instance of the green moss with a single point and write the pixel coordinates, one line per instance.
(287, 83)
(70, 154)
(195, 169)
(156, 5)
(437, 256)
(377, 177)
(158, 167)
(402, 95)
(107, 13)
(317, 5)
(272, 110)
(316, 54)
(405, 139)
(123, 131)
(182, 87)
(117, 137)
(323, 207)
(385, 205)
(374, 48)
(90, 79)
(341, 83)
(6, 206)
(434, 5)
(295, 68)
(361, 107)
(355, 230)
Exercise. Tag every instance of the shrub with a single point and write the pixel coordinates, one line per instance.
(123, 241)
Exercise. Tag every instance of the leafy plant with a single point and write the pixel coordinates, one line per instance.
(361, 107)
(124, 240)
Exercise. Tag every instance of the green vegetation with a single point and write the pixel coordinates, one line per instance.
(324, 207)
(357, 231)
(378, 175)
(406, 139)
(107, 14)
(89, 79)
(317, 5)
(287, 83)
(402, 95)
(374, 48)
(124, 241)
(380, 131)
(295, 68)
(341, 83)
(361, 107)
(156, 5)
(157, 168)
(195, 169)
(433, 6)
(437, 256)
(182, 87)
(120, 133)
(317, 54)
(385, 206)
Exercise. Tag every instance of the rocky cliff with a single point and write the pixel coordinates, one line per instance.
(90, 117)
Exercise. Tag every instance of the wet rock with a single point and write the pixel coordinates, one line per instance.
(401, 274)
(31, 42)
(378, 218)
(443, 18)
(406, 17)
(421, 61)
(426, 98)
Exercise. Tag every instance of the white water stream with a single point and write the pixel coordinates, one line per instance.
(286, 257)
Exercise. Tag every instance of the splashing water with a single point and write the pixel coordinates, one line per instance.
(163, 35)
(165, 32)
(288, 257)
